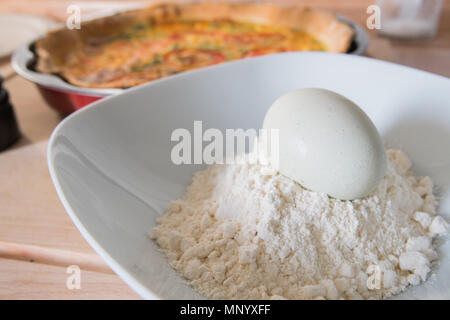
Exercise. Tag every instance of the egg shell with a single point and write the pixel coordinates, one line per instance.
(327, 143)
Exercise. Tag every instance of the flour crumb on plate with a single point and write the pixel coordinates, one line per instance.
(240, 233)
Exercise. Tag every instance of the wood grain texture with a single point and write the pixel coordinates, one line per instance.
(51, 256)
(27, 280)
(30, 212)
(30, 209)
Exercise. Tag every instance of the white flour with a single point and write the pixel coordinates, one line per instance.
(239, 233)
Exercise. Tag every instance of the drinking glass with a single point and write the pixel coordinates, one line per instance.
(409, 19)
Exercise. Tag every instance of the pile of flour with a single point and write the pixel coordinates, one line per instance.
(241, 232)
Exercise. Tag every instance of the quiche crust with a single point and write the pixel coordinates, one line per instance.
(53, 49)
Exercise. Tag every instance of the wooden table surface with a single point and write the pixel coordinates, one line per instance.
(37, 239)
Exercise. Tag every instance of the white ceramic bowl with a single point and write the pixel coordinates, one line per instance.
(111, 166)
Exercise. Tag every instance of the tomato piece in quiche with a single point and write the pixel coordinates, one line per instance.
(186, 59)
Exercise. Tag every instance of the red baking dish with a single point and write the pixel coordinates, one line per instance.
(64, 101)
(59, 94)
(67, 98)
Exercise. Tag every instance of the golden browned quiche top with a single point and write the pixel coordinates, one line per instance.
(134, 47)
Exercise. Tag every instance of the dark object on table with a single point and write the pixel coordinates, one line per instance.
(9, 130)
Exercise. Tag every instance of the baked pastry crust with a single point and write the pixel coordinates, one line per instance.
(53, 49)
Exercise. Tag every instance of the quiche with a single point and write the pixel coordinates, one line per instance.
(137, 46)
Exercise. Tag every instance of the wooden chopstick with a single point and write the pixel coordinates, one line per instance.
(32, 253)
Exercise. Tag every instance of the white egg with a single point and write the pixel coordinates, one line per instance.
(327, 143)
